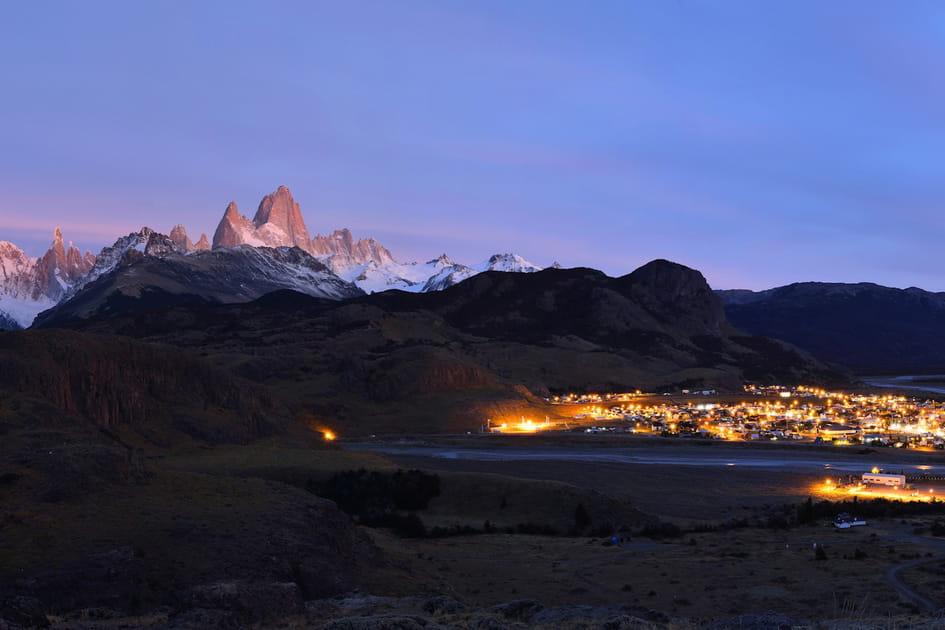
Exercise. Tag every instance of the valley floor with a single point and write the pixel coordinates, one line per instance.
(697, 568)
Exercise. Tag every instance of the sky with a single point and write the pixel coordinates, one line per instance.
(761, 142)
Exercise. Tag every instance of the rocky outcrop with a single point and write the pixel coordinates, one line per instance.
(279, 221)
(30, 285)
(246, 602)
(59, 267)
(202, 244)
(19, 611)
(385, 622)
(179, 236)
(49, 276)
(112, 383)
(234, 229)
(762, 621)
(17, 272)
(345, 252)
(677, 291)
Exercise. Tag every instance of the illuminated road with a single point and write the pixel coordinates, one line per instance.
(907, 382)
(663, 456)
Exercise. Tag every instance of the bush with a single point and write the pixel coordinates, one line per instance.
(660, 529)
(377, 499)
(364, 493)
(582, 519)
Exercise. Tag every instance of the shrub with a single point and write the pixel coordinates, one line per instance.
(660, 529)
(371, 493)
(377, 499)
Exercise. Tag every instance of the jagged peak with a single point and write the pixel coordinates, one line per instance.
(179, 235)
(442, 260)
(279, 221)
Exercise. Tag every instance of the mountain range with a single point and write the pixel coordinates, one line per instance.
(247, 258)
(491, 346)
(865, 327)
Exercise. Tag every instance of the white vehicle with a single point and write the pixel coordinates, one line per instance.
(845, 521)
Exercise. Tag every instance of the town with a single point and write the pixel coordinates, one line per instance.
(770, 413)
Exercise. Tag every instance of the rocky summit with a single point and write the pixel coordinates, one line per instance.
(30, 285)
(279, 223)
(279, 219)
(179, 235)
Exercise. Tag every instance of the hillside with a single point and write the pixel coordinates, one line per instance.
(491, 345)
(91, 518)
(865, 327)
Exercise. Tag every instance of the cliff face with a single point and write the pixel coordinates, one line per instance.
(278, 223)
(345, 252)
(60, 267)
(234, 229)
(29, 285)
(180, 238)
(279, 218)
(111, 382)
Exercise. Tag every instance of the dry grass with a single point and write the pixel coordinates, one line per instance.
(702, 576)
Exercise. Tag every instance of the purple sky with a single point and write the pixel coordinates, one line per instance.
(760, 142)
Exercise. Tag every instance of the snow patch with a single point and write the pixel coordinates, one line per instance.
(24, 311)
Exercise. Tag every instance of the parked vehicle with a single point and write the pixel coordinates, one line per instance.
(845, 521)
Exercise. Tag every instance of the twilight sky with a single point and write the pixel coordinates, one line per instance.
(762, 142)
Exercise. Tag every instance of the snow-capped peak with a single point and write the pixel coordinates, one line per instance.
(31, 285)
(144, 242)
(442, 261)
(507, 262)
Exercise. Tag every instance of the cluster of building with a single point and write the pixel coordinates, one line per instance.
(763, 413)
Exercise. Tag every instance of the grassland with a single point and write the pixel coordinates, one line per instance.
(712, 570)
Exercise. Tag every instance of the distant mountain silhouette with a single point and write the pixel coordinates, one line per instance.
(865, 327)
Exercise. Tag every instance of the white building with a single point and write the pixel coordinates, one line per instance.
(884, 479)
